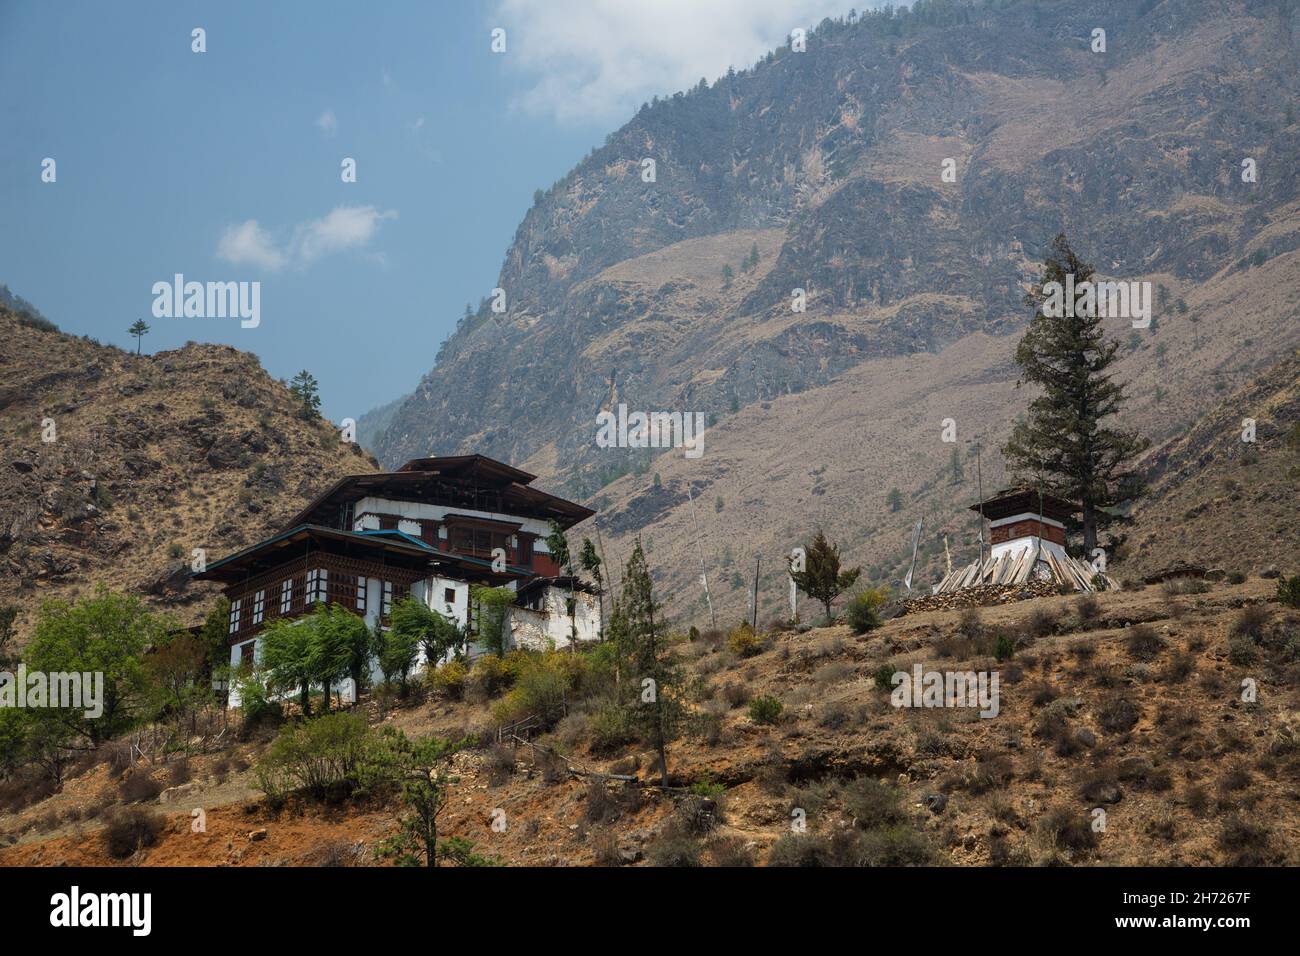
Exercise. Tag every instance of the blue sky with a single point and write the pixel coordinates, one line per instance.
(225, 165)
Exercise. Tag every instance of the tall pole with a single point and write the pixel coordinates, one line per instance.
(979, 474)
(754, 623)
(704, 577)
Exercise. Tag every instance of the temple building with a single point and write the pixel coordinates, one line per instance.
(1027, 537)
(433, 529)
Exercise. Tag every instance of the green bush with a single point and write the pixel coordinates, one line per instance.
(318, 756)
(744, 642)
(863, 611)
(255, 700)
(883, 677)
(1005, 648)
(708, 788)
(449, 679)
(765, 710)
(1288, 591)
(543, 686)
(490, 675)
(610, 729)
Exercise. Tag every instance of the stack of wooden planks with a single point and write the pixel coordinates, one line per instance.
(1020, 566)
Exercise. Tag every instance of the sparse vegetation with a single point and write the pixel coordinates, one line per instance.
(765, 710)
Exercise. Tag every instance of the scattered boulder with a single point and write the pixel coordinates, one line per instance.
(1102, 790)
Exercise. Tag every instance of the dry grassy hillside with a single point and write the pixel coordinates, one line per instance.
(829, 455)
(152, 456)
(1131, 703)
(1224, 502)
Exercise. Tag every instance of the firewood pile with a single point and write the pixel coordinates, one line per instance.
(1023, 566)
(980, 595)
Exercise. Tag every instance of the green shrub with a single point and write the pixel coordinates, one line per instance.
(863, 611)
(708, 788)
(543, 686)
(255, 700)
(765, 710)
(450, 678)
(610, 729)
(318, 756)
(1005, 648)
(1288, 591)
(489, 676)
(744, 642)
(1241, 651)
(494, 605)
(883, 676)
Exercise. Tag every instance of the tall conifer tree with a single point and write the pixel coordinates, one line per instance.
(1063, 446)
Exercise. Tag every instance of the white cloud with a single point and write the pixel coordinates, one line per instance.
(600, 59)
(343, 229)
(328, 123)
(248, 244)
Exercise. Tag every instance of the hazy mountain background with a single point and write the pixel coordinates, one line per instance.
(827, 163)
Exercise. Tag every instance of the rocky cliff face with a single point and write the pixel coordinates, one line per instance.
(116, 466)
(828, 165)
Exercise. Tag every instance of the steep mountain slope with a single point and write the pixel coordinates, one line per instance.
(151, 457)
(828, 165)
(1221, 501)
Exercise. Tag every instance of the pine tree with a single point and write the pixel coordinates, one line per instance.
(1062, 446)
(305, 388)
(821, 578)
(652, 697)
(140, 329)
